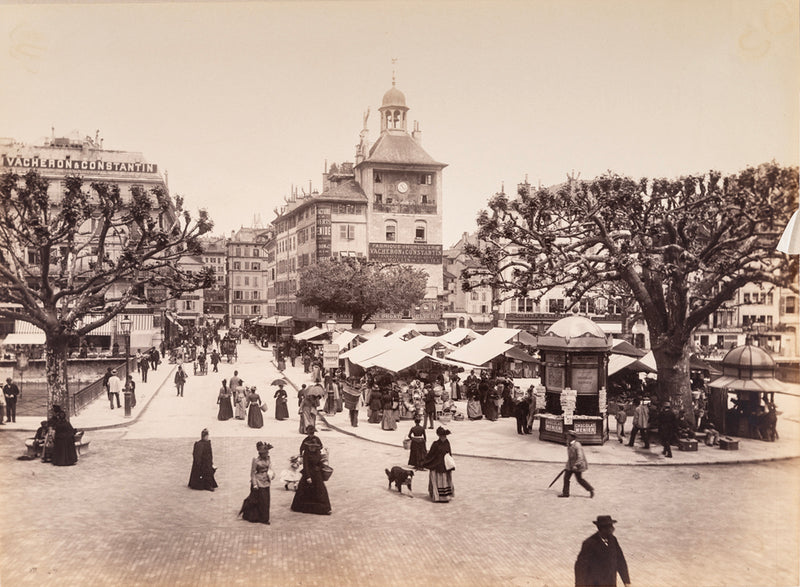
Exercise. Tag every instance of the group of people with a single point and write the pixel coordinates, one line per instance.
(54, 440)
(114, 387)
(241, 402)
(311, 495)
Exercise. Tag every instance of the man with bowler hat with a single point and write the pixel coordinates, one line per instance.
(576, 465)
(601, 558)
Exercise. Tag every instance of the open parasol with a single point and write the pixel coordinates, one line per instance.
(279, 382)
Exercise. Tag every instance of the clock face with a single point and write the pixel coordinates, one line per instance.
(402, 187)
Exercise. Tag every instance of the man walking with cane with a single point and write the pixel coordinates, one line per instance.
(576, 465)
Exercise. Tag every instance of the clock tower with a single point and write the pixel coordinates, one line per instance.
(404, 187)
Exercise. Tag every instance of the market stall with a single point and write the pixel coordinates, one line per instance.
(574, 366)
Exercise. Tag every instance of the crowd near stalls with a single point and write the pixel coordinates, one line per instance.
(573, 378)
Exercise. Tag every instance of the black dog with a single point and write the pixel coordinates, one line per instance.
(400, 476)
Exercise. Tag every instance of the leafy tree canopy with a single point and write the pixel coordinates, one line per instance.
(360, 288)
(681, 247)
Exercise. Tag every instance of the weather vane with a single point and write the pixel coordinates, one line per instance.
(394, 62)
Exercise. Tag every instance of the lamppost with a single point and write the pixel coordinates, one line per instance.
(125, 329)
(330, 325)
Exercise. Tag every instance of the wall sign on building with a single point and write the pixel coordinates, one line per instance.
(69, 164)
(406, 253)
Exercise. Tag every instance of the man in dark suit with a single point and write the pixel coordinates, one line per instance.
(11, 393)
(601, 558)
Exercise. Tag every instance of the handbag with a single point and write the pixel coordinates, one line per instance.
(449, 462)
(406, 443)
(327, 471)
(263, 407)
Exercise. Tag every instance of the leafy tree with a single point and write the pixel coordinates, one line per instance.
(71, 262)
(360, 288)
(681, 247)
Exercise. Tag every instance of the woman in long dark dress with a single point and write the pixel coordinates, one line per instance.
(440, 480)
(375, 406)
(311, 496)
(202, 475)
(416, 454)
(224, 401)
(281, 409)
(255, 507)
(64, 453)
(254, 417)
(388, 421)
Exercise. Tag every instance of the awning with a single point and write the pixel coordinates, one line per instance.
(501, 334)
(396, 359)
(367, 350)
(426, 328)
(518, 354)
(618, 362)
(526, 338)
(623, 347)
(312, 332)
(143, 339)
(465, 366)
(374, 333)
(459, 334)
(758, 384)
(344, 338)
(479, 351)
(610, 327)
(31, 338)
(275, 320)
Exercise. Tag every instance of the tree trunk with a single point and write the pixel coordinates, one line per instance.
(56, 371)
(358, 320)
(673, 377)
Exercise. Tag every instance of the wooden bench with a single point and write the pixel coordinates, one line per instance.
(32, 452)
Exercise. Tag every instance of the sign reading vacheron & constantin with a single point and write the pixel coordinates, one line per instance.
(79, 165)
(405, 253)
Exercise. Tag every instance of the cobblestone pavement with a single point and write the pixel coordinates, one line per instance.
(124, 516)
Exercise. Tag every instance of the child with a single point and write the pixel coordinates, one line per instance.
(291, 476)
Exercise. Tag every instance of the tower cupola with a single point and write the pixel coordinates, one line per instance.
(393, 110)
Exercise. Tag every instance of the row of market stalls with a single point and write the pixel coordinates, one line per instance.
(573, 371)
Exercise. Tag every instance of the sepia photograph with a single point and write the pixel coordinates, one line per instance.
(388, 293)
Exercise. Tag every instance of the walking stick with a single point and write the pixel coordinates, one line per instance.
(556, 479)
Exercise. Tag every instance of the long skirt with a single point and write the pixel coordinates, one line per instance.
(389, 422)
(255, 507)
(330, 404)
(311, 498)
(474, 410)
(241, 407)
(440, 486)
(375, 416)
(308, 417)
(254, 417)
(225, 409)
(417, 452)
(281, 410)
(64, 453)
(491, 410)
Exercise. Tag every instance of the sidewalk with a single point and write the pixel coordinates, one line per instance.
(499, 439)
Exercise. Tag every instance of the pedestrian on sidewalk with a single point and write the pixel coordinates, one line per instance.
(224, 401)
(255, 507)
(601, 557)
(281, 408)
(180, 380)
(641, 419)
(667, 428)
(11, 392)
(138, 359)
(521, 414)
(114, 387)
(311, 496)
(418, 448)
(440, 479)
(202, 474)
(239, 397)
(155, 359)
(215, 359)
(130, 386)
(621, 417)
(576, 465)
(254, 409)
(144, 367)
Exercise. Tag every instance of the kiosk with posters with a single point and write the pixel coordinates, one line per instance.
(574, 363)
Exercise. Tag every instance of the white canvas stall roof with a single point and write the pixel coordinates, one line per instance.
(312, 332)
(425, 328)
(422, 341)
(33, 338)
(274, 320)
(465, 366)
(480, 351)
(375, 333)
(396, 359)
(344, 338)
(526, 338)
(367, 350)
(619, 362)
(458, 334)
(404, 331)
(501, 334)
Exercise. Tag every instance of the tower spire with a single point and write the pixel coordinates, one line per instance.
(394, 62)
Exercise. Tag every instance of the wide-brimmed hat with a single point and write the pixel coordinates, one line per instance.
(441, 431)
(263, 445)
(604, 521)
(572, 434)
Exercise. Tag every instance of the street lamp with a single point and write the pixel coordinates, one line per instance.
(330, 325)
(125, 329)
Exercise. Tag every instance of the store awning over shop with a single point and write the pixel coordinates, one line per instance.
(396, 359)
(143, 339)
(312, 332)
(275, 320)
(480, 351)
(757, 384)
(618, 362)
(31, 338)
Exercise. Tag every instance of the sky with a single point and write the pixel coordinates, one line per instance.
(239, 102)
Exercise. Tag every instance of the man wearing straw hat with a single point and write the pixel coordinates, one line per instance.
(601, 558)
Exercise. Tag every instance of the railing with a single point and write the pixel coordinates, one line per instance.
(91, 392)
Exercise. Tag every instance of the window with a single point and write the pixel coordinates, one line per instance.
(525, 305)
(237, 281)
(237, 266)
(555, 306)
(237, 294)
(247, 280)
(255, 310)
(256, 266)
(378, 198)
(419, 232)
(424, 198)
(237, 309)
(237, 251)
(746, 298)
(426, 178)
(347, 231)
(790, 305)
(391, 231)
(255, 281)
(475, 296)
(377, 177)
(255, 252)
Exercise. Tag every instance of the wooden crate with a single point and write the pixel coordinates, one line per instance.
(687, 444)
(728, 444)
